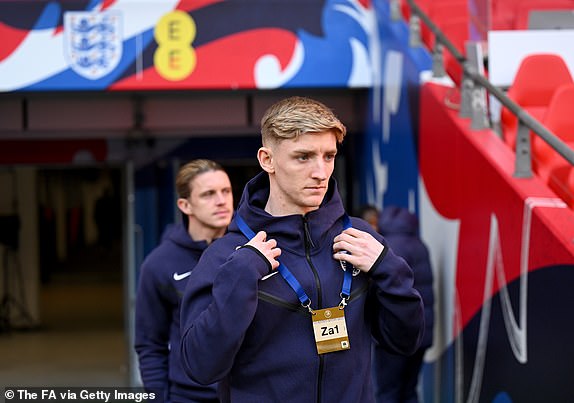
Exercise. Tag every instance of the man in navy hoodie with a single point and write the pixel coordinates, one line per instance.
(396, 377)
(206, 202)
(284, 306)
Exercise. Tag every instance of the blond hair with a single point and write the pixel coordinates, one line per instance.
(189, 171)
(291, 117)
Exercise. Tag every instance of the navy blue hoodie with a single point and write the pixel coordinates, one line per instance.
(164, 274)
(250, 331)
(400, 228)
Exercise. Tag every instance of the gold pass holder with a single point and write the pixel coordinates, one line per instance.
(330, 330)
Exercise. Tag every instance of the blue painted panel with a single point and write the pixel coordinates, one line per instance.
(390, 155)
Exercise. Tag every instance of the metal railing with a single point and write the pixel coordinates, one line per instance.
(471, 78)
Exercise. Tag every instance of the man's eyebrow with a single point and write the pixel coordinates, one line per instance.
(308, 151)
(206, 191)
(302, 151)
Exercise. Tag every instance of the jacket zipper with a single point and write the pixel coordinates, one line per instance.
(308, 245)
(280, 302)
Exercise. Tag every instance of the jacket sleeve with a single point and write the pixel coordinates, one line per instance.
(218, 306)
(396, 307)
(152, 326)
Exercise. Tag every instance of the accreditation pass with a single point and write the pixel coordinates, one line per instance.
(330, 330)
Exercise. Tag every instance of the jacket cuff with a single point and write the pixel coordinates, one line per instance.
(379, 259)
(257, 251)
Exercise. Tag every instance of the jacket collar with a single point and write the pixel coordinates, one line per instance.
(179, 235)
(288, 230)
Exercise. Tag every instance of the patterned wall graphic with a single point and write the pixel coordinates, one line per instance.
(168, 44)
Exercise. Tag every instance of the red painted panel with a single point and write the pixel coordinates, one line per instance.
(469, 177)
(11, 38)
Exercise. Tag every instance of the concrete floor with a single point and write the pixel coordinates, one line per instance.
(81, 340)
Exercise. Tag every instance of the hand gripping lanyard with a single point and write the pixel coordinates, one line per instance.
(292, 281)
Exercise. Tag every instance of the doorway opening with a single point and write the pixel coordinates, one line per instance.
(79, 338)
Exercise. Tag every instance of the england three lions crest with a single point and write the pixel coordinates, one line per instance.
(93, 42)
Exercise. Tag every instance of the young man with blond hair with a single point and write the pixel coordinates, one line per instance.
(283, 308)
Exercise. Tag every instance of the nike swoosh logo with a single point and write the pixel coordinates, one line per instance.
(177, 276)
(269, 275)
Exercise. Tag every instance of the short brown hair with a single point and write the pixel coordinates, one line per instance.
(189, 171)
(293, 116)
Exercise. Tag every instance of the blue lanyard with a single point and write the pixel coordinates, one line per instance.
(292, 281)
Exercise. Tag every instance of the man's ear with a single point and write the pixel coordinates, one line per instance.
(184, 206)
(265, 158)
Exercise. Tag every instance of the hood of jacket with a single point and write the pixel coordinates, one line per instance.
(177, 233)
(397, 220)
(252, 209)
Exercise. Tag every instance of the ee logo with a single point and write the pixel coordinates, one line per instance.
(175, 58)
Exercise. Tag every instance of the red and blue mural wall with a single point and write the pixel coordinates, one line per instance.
(502, 247)
(182, 44)
(504, 254)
